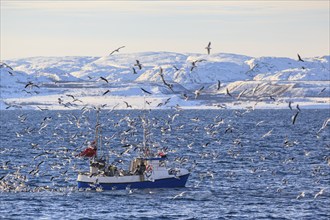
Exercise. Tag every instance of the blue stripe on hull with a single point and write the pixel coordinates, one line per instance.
(162, 183)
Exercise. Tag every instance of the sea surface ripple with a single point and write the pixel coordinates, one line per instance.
(244, 164)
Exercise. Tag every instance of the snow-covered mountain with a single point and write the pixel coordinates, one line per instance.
(244, 81)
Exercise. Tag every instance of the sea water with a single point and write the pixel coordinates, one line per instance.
(244, 164)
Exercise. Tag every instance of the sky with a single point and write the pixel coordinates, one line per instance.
(95, 28)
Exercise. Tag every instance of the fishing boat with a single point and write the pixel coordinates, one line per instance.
(147, 171)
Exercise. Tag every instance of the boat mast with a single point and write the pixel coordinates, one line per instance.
(144, 124)
(97, 131)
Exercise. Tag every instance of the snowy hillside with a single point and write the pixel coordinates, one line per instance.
(173, 79)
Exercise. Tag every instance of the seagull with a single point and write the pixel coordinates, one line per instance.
(206, 144)
(301, 195)
(194, 64)
(319, 193)
(116, 50)
(227, 92)
(74, 99)
(134, 71)
(255, 89)
(272, 98)
(138, 64)
(31, 84)
(219, 85)
(299, 58)
(198, 92)
(24, 90)
(4, 65)
(179, 195)
(185, 96)
(208, 48)
(298, 107)
(146, 91)
(42, 109)
(322, 90)
(290, 105)
(127, 105)
(241, 93)
(170, 86)
(167, 101)
(176, 68)
(106, 92)
(325, 124)
(71, 96)
(267, 134)
(294, 117)
(104, 79)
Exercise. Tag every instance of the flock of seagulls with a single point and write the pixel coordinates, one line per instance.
(127, 129)
(53, 153)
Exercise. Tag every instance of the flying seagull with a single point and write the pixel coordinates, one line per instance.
(104, 79)
(294, 117)
(298, 107)
(116, 50)
(241, 93)
(170, 86)
(176, 68)
(299, 58)
(4, 65)
(194, 64)
(71, 96)
(138, 64)
(322, 90)
(127, 105)
(198, 92)
(219, 85)
(31, 84)
(134, 71)
(146, 91)
(185, 96)
(325, 124)
(228, 93)
(106, 92)
(208, 48)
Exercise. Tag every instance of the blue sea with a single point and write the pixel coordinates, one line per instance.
(244, 164)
